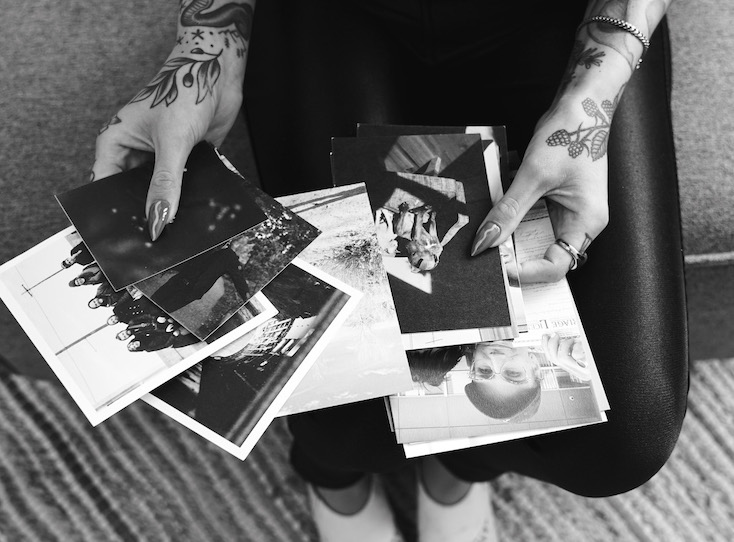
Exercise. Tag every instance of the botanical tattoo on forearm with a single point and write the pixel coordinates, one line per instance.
(114, 120)
(581, 56)
(591, 139)
(196, 64)
(164, 86)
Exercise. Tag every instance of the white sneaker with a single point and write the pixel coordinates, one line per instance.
(469, 520)
(374, 522)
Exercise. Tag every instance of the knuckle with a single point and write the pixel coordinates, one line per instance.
(508, 207)
(164, 180)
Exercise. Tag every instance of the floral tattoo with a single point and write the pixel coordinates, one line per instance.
(197, 62)
(591, 139)
(164, 86)
(581, 56)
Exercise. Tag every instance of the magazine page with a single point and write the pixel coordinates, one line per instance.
(232, 396)
(550, 307)
(107, 348)
(418, 449)
(366, 358)
(489, 388)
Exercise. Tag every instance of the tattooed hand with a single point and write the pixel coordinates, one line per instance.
(566, 163)
(195, 96)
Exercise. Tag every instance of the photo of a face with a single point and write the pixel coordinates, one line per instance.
(505, 381)
(490, 388)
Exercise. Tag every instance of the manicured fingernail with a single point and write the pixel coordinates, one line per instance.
(485, 241)
(158, 218)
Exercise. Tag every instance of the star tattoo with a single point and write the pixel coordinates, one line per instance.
(198, 35)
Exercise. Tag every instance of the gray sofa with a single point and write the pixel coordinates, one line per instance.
(68, 67)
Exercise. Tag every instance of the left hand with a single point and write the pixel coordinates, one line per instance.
(566, 163)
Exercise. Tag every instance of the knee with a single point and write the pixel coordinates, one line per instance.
(625, 460)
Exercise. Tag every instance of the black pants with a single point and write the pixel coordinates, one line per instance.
(319, 67)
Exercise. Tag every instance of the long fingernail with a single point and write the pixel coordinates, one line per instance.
(157, 217)
(484, 241)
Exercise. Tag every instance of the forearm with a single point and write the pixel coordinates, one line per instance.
(210, 51)
(603, 59)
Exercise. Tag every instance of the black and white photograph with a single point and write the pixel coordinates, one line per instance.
(107, 348)
(203, 292)
(232, 396)
(429, 193)
(110, 215)
(495, 388)
(366, 358)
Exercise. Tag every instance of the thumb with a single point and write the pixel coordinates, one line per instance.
(165, 186)
(504, 217)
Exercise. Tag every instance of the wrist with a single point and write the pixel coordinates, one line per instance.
(224, 45)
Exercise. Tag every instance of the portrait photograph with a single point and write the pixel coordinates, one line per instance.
(495, 388)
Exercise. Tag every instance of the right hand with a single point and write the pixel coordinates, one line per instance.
(195, 96)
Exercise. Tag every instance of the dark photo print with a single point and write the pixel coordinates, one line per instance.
(429, 193)
(110, 216)
(229, 392)
(206, 290)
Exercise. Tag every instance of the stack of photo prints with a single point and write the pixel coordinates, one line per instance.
(248, 308)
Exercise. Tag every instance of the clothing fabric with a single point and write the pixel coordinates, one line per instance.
(317, 68)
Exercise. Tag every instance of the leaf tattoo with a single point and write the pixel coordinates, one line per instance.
(114, 120)
(590, 139)
(164, 86)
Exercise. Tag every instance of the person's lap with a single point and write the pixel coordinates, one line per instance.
(323, 69)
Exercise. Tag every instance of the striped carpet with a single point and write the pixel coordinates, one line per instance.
(141, 477)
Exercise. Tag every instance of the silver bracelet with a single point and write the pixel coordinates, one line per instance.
(623, 25)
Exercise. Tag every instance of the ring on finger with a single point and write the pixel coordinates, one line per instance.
(577, 258)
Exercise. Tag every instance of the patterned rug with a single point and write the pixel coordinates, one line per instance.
(142, 477)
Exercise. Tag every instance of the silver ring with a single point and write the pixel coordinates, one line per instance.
(577, 258)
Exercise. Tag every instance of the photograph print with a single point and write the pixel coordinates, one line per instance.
(366, 358)
(203, 292)
(231, 397)
(107, 347)
(429, 193)
(110, 215)
(496, 165)
(494, 388)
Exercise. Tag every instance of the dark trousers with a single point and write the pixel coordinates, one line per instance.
(319, 67)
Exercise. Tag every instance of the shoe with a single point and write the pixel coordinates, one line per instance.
(374, 522)
(471, 519)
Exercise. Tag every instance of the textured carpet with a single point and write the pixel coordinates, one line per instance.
(141, 477)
